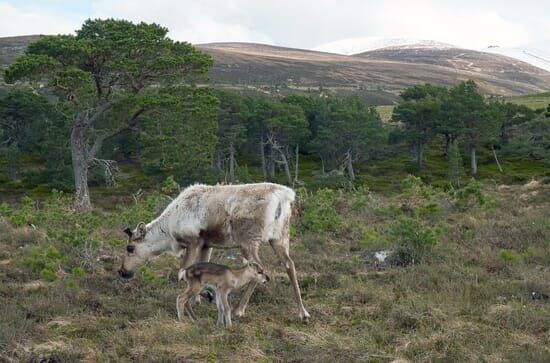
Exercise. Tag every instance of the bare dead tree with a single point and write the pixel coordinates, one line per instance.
(283, 160)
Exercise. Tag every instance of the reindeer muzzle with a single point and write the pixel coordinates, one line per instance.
(125, 273)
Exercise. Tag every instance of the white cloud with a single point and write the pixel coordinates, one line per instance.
(196, 22)
(301, 23)
(27, 21)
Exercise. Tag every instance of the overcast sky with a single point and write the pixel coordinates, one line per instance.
(295, 23)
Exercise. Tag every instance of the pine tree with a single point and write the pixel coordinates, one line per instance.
(455, 164)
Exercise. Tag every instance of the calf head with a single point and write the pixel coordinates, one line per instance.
(258, 273)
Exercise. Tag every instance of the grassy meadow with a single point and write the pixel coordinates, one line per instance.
(536, 101)
(468, 281)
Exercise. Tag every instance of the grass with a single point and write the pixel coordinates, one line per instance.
(470, 299)
(540, 100)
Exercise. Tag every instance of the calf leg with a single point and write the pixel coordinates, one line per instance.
(182, 303)
(281, 248)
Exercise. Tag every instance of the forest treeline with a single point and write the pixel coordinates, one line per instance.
(119, 92)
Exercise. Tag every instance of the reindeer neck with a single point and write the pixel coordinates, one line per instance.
(157, 240)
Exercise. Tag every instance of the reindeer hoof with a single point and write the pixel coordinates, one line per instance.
(305, 317)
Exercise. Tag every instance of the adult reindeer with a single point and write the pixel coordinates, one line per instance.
(203, 217)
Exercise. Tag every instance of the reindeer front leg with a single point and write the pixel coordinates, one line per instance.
(192, 253)
(250, 252)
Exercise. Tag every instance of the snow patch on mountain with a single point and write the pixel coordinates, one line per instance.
(537, 54)
(351, 46)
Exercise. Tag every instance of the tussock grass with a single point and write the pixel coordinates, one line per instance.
(464, 302)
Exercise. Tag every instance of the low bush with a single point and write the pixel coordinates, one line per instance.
(319, 214)
(44, 260)
(412, 239)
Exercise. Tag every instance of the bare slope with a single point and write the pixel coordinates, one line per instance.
(389, 69)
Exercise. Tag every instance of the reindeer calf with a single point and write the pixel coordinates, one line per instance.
(219, 278)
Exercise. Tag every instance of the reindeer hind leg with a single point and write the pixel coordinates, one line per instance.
(281, 248)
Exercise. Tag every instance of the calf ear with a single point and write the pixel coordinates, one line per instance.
(256, 266)
(128, 231)
(142, 229)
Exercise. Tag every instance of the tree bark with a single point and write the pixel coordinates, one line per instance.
(284, 161)
(419, 155)
(80, 156)
(496, 159)
(296, 166)
(80, 168)
(231, 163)
(349, 167)
(473, 161)
(271, 165)
(262, 154)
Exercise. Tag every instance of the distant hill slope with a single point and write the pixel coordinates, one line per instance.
(389, 69)
(377, 76)
(13, 47)
(496, 73)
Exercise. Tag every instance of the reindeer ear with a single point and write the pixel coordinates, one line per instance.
(142, 229)
(128, 231)
(245, 261)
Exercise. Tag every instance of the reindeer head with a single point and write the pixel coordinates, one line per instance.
(136, 256)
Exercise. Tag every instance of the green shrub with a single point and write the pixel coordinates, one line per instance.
(319, 214)
(372, 238)
(170, 186)
(334, 179)
(419, 199)
(508, 256)
(78, 272)
(361, 198)
(45, 261)
(469, 196)
(412, 239)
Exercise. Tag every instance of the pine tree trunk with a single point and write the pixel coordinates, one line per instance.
(351, 173)
(448, 142)
(218, 164)
(231, 163)
(80, 169)
(419, 155)
(262, 154)
(296, 166)
(496, 159)
(271, 165)
(473, 161)
(286, 167)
